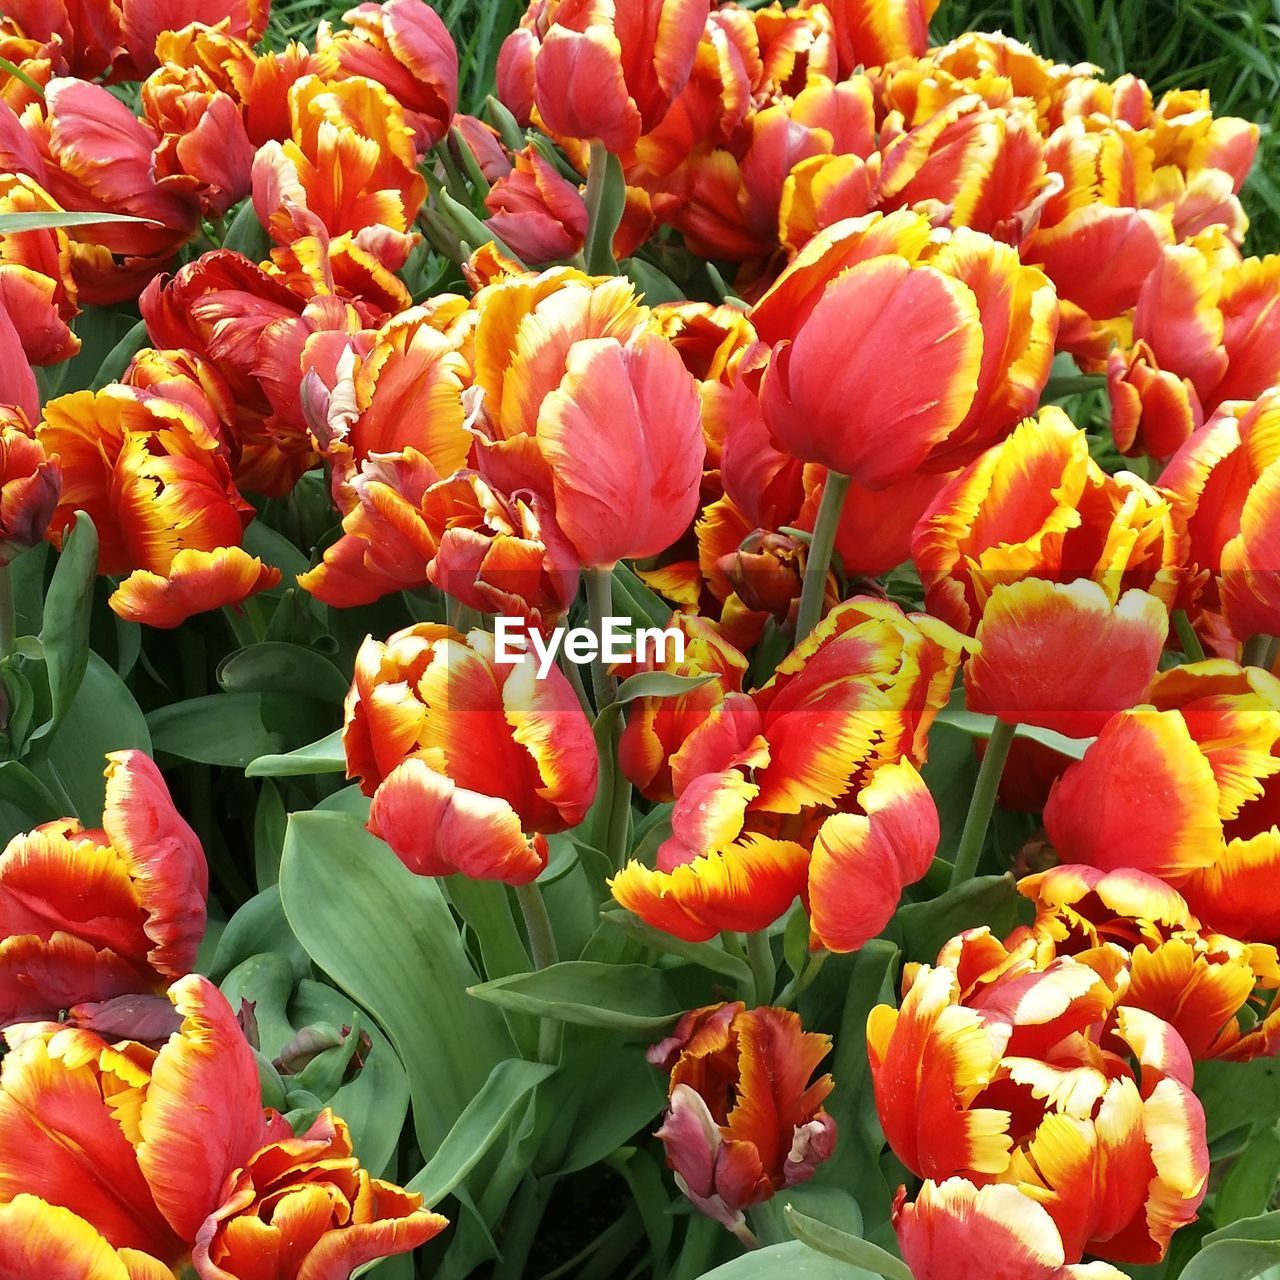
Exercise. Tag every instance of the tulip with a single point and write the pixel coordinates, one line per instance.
(1037, 506)
(1181, 788)
(30, 482)
(36, 287)
(420, 705)
(61, 143)
(607, 71)
(75, 1110)
(870, 35)
(147, 916)
(745, 1117)
(158, 487)
(1115, 1156)
(1033, 637)
(1197, 981)
(89, 36)
(406, 48)
(954, 1230)
(538, 214)
(145, 20)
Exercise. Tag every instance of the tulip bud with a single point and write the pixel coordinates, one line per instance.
(321, 1057)
(743, 1121)
(767, 572)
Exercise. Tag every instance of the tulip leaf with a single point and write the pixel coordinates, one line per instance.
(46, 219)
(1240, 1251)
(923, 927)
(631, 997)
(325, 756)
(657, 684)
(117, 359)
(246, 234)
(707, 954)
(606, 198)
(388, 939)
(980, 726)
(845, 1247)
(277, 667)
(25, 801)
(220, 728)
(64, 633)
(104, 717)
(794, 1260)
(1251, 1178)
(275, 549)
(483, 1122)
(632, 599)
(655, 286)
(256, 927)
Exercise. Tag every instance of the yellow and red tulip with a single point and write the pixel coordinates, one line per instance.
(745, 1117)
(30, 483)
(146, 916)
(420, 708)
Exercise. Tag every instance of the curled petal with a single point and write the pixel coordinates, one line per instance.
(195, 582)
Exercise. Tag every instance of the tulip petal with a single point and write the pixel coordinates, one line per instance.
(196, 582)
(44, 1240)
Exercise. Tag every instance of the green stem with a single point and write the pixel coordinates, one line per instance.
(617, 820)
(818, 561)
(522, 1222)
(1256, 651)
(8, 617)
(599, 240)
(544, 953)
(1187, 637)
(599, 585)
(978, 818)
(803, 981)
(763, 966)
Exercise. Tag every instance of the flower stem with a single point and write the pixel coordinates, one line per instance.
(604, 210)
(1187, 637)
(616, 822)
(760, 955)
(818, 561)
(543, 951)
(978, 819)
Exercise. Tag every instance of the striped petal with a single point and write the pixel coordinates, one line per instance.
(196, 581)
(44, 1240)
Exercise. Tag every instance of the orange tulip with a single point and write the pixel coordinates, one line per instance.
(745, 1117)
(419, 708)
(158, 487)
(30, 482)
(1199, 982)
(60, 144)
(1037, 506)
(870, 33)
(58, 949)
(978, 346)
(1064, 656)
(405, 47)
(145, 20)
(103, 1135)
(954, 1230)
(36, 287)
(1182, 789)
(89, 34)
(600, 70)
(1003, 1075)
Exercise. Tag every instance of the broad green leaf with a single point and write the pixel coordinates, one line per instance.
(104, 717)
(25, 801)
(484, 1121)
(980, 726)
(246, 235)
(256, 927)
(657, 684)
(376, 1102)
(655, 285)
(64, 633)
(707, 954)
(387, 938)
(325, 756)
(630, 997)
(632, 599)
(845, 1247)
(117, 359)
(11, 222)
(277, 667)
(274, 548)
(270, 820)
(221, 728)
(921, 928)
(790, 1261)
(1238, 1095)
(1241, 1251)
(1250, 1181)
(266, 981)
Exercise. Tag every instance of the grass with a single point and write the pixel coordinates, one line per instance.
(1230, 47)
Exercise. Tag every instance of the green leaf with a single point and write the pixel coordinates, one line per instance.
(921, 928)
(266, 981)
(845, 1247)
(706, 954)
(221, 728)
(274, 548)
(25, 801)
(1240, 1251)
(1238, 1095)
(325, 756)
(629, 997)
(387, 938)
(980, 726)
(484, 1121)
(655, 286)
(246, 235)
(104, 717)
(375, 1103)
(117, 359)
(64, 633)
(11, 222)
(277, 667)
(793, 1260)
(632, 599)
(609, 195)
(657, 684)
(256, 927)
(1250, 1181)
